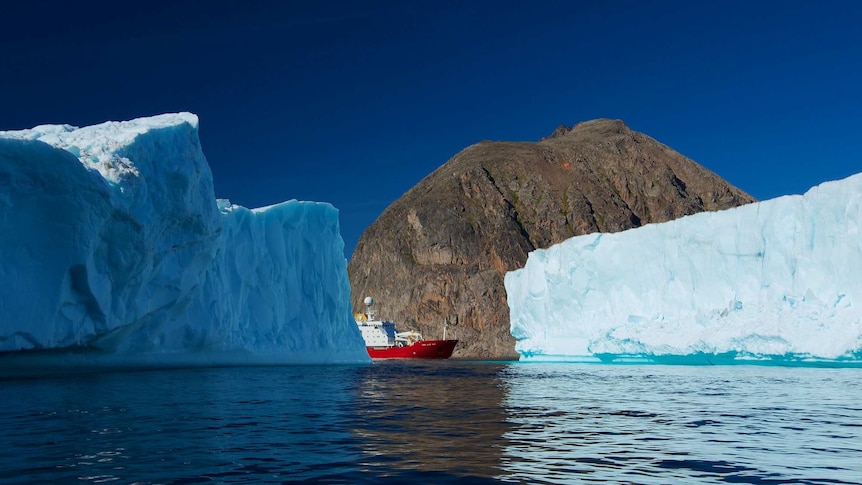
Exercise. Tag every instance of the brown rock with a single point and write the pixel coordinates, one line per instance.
(439, 253)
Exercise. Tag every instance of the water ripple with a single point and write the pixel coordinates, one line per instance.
(436, 422)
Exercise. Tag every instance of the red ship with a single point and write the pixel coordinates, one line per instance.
(383, 341)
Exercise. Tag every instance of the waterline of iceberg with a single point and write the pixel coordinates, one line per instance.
(114, 245)
(774, 281)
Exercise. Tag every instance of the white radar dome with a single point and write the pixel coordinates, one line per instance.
(369, 301)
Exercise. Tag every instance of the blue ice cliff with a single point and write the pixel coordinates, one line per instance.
(779, 280)
(115, 252)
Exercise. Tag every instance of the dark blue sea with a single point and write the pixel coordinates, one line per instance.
(436, 422)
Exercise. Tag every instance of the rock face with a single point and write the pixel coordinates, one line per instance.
(437, 256)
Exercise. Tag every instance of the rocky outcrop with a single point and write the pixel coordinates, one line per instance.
(437, 256)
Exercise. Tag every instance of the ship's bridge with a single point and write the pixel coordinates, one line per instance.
(377, 333)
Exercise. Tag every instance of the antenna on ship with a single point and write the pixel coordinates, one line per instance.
(369, 312)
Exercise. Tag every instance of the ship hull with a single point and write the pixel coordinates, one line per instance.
(425, 349)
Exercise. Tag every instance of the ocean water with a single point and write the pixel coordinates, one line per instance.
(436, 422)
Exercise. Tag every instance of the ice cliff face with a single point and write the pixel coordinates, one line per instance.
(777, 280)
(113, 245)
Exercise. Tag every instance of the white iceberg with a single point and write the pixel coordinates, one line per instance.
(114, 251)
(774, 280)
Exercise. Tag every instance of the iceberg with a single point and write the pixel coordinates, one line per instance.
(774, 281)
(115, 252)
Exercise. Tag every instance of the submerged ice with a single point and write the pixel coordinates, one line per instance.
(115, 251)
(778, 279)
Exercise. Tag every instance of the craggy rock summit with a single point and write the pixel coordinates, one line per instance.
(439, 253)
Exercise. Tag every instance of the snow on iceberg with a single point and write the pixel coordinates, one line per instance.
(777, 280)
(115, 252)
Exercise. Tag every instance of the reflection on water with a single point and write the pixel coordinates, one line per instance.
(436, 422)
(660, 424)
(433, 416)
(176, 426)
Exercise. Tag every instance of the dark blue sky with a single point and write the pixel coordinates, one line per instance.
(354, 102)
